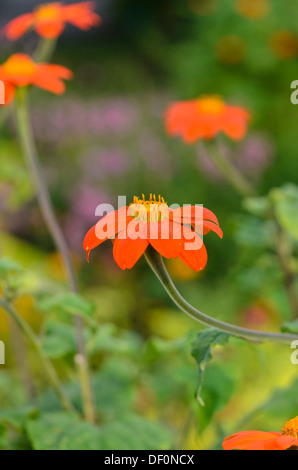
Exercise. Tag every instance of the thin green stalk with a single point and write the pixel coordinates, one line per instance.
(227, 169)
(155, 261)
(45, 50)
(47, 365)
(29, 150)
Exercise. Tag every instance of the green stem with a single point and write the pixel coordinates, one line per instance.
(155, 261)
(29, 150)
(45, 50)
(227, 169)
(47, 365)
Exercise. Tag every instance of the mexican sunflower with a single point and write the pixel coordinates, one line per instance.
(49, 19)
(172, 232)
(20, 71)
(259, 440)
(205, 118)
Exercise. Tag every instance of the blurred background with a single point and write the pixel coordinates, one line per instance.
(105, 137)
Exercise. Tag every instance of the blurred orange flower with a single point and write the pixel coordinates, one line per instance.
(49, 19)
(205, 118)
(172, 232)
(254, 9)
(20, 71)
(259, 440)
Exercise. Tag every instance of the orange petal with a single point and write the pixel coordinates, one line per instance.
(50, 29)
(81, 15)
(166, 237)
(195, 259)
(207, 226)
(235, 122)
(107, 227)
(242, 440)
(193, 213)
(49, 77)
(9, 92)
(91, 241)
(127, 252)
(17, 27)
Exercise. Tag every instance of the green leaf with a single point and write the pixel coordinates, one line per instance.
(258, 206)
(290, 327)
(109, 339)
(59, 340)
(115, 386)
(157, 347)
(201, 350)
(16, 417)
(68, 303)
(63, 431)
(66, 431)
(219, 386)
(9, 266)
(285, 201)
(133, 432)
(254, 232)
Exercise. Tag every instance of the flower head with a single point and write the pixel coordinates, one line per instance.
(21, 71)
(259, 440)
(172, 232)
(49, 19)
(205, 118)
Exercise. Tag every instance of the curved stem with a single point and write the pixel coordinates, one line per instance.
(30, 154)
(227, 169)
(155, 261)
(47, 365)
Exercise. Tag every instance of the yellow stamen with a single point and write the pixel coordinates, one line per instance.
(211, 104)
(20, 65)
(48, 12)
(291, 428)
(151, 209)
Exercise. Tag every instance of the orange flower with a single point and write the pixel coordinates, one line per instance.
(172, 232)
(259, 440)
(204, 118)
(20, 71)
(49, 19)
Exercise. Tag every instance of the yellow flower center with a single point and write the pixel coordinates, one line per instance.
(291, 428)
(19, 64)
(152, 209)
(48, 12)
(210, 104)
